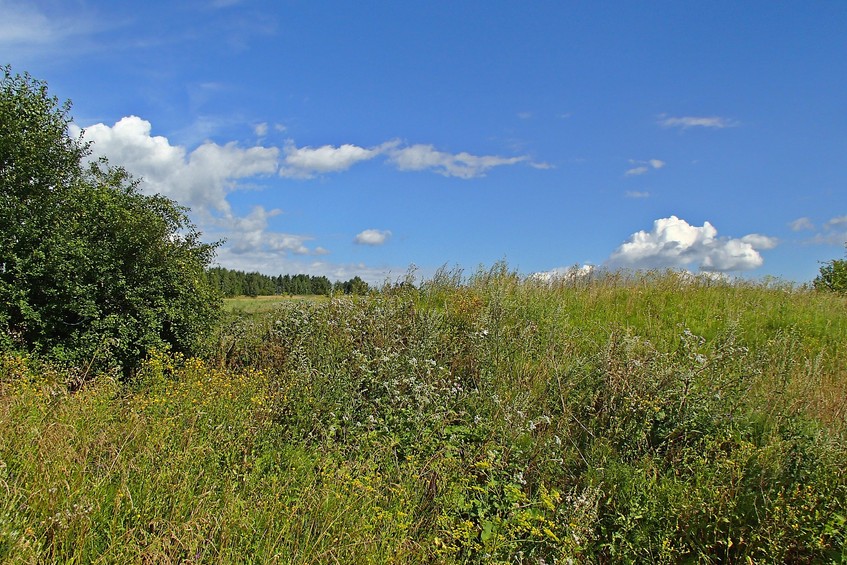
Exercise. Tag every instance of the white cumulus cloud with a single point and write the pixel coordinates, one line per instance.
(372, 237)
(306, 162)
(760, 241)
(563, 274)
(200, 179)
(674, 243)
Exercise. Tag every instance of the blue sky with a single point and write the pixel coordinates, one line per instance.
(359, 138)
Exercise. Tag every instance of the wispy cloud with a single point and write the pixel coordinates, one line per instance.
(28, 30)
(372, 237)
(249, 235)
(831, 232)
(463, 165)
(685, 122)
(24, 23)
(636, 171)
(637, 194)
(674, 243)
(308, 162)
(840, 221)
(802, 224)
(834, 232)
(643, 167)
(541, 166)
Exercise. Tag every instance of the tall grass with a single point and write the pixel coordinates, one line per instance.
(489, 418)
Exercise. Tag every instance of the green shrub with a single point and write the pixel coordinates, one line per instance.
(833, 276)
(92, 272)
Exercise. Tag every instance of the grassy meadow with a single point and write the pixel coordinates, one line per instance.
(486, 419)
(260, 304)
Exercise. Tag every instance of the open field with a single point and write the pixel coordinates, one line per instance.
(258, 304)
(490, 420)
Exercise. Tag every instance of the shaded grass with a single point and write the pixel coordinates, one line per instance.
(493, 419)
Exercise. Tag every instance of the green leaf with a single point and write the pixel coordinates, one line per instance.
(487, 528)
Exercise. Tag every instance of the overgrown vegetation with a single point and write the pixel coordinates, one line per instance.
(649, 418)
(652, 417)
(93, 273)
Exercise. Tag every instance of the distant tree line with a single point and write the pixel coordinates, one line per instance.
(231, 283)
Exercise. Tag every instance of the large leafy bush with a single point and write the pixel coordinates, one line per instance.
(92, 272)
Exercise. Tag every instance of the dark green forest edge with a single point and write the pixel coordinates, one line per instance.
(230, 283)
(651, 417)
